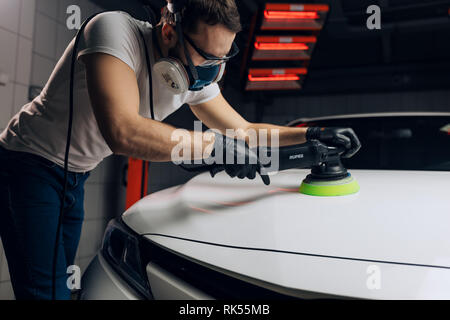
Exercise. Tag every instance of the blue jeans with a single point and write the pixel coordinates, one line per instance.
(30, 200)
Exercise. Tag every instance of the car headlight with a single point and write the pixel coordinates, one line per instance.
(121, 249)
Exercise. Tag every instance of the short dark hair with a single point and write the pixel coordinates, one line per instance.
(211, 12)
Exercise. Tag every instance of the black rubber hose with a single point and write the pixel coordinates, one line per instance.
(69, 135)
(67, 153)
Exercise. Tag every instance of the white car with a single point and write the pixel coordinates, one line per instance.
(224, 238)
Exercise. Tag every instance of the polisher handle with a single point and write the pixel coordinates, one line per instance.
(300, 156)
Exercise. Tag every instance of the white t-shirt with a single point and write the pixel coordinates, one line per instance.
(41, 126)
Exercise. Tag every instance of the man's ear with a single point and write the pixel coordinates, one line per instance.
(169, 35)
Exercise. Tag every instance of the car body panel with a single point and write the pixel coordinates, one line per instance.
(101, 282)
(371, 115)
(399, 221)
(316, 277)
(166, 286)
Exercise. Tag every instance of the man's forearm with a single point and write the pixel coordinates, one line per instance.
(155, 141)
(287, 136)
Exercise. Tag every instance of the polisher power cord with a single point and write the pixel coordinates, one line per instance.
(151, 18)
(66, 157)
(150, 15)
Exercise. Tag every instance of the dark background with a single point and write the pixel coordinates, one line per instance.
(410, 52)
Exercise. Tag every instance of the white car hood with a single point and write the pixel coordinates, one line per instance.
(397, 219)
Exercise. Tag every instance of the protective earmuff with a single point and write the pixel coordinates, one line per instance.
(176, 77)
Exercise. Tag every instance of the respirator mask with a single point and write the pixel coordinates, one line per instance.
(181, 78)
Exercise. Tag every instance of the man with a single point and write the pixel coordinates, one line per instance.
(112, 115)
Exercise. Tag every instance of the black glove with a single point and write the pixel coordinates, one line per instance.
(237, 151)
(336, 137)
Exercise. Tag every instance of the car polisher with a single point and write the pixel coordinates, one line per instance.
(328, 176)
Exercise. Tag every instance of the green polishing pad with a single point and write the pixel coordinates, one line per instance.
(343, 187)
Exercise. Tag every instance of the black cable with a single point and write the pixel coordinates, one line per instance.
(150, 78)
(67, 153)
(150, 86)
(69, 136)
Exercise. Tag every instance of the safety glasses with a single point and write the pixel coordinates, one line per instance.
(210, 59)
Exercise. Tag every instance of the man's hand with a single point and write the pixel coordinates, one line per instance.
(244, 164)
(336, 137)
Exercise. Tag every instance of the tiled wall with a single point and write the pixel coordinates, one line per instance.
(16, 42)
(16, 50)
(33, 35)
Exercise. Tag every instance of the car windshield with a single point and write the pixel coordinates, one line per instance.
(398, 143)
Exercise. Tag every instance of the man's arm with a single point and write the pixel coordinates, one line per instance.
(114, 95)
(218, 114)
